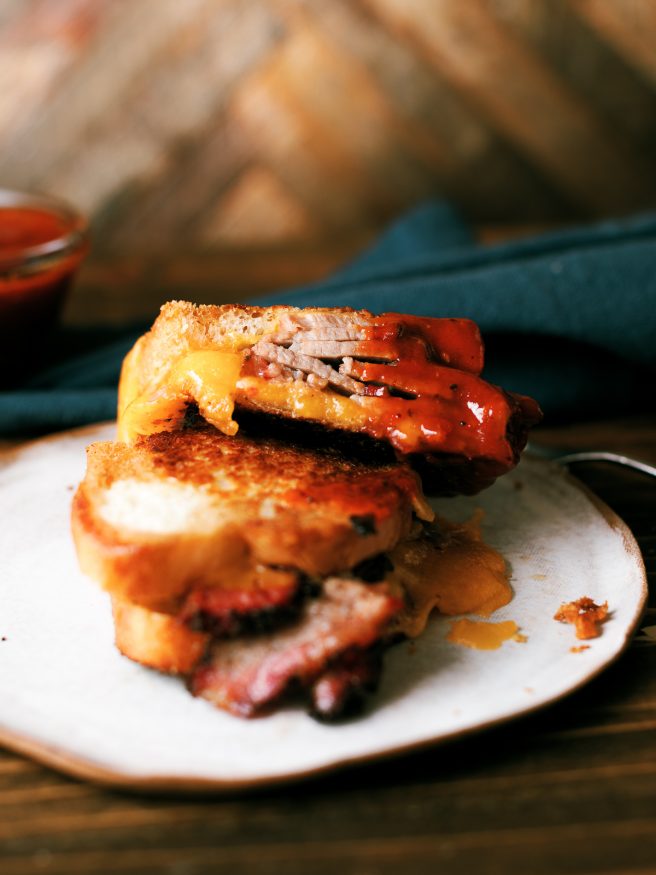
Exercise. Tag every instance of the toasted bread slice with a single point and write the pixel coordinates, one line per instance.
(194, 509)
(159, 641)
(410, 381)
(329, 647)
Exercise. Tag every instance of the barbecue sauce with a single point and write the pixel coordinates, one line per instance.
(433, 399)
(33, 282)
(455, 342)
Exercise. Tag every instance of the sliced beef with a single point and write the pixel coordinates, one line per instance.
(248, 675)
(331, 326)
(271, 352)
(271, 600)
(336, 349)
(319, 326)
(341, 690)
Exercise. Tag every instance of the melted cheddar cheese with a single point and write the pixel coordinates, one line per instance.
(299, 400)
(212, 380)
(459, 575)
(483, 636)
(208, 378)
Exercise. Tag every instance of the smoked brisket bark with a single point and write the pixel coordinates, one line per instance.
(250, 674)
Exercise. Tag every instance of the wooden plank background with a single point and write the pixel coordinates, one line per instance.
(250, 123)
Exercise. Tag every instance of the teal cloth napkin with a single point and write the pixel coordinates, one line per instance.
(568, 317)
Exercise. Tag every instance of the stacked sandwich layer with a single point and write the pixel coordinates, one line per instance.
(249, 564)
(411, 382)
(261, 527)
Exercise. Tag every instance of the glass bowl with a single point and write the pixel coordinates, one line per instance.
(42, 242)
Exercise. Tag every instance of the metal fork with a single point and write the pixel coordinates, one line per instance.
(566, 456)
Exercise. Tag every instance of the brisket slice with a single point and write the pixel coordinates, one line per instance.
(341, 690)
(331, 326)
(248, 675)
(338, 349)
(308, 365)
(272, 600)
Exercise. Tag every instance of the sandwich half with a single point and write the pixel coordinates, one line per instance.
(413, 383)
(249, 564)
(193, 514)
(265, 568)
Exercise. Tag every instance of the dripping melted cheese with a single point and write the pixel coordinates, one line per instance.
(208, 378)
(483, 636)
(457, 574)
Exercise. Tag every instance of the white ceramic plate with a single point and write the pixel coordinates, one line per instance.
(69, 699)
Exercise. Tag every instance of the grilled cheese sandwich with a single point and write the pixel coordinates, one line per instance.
(411, 382)
(260, 525)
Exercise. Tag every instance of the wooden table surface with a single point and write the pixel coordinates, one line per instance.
(571, 789)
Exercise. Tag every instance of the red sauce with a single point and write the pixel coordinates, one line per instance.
(445, 407)
(21, 228)
(456, 342)
(33, 282)
(453, 411)
(424, 394)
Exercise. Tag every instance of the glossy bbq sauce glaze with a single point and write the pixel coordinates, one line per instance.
(431, 394)
(421, 391)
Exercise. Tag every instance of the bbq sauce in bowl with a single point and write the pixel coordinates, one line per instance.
(42, 242)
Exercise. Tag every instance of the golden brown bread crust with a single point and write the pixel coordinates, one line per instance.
(254, 502)
(159, 641)
(182, 327)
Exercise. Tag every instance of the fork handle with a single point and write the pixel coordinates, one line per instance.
(564, 457)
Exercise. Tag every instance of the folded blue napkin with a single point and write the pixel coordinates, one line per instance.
(568, 317)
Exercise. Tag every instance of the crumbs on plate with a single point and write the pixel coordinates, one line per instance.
(585, 615)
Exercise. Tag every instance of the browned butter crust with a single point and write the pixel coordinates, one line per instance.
(258, 503)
